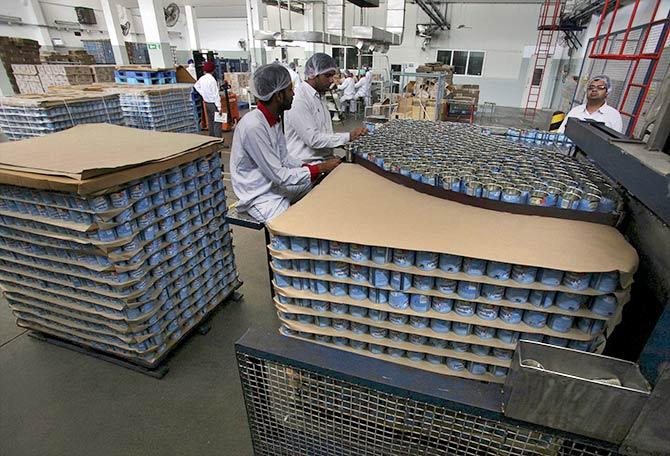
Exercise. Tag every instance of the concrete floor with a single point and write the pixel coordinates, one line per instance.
(57, 402)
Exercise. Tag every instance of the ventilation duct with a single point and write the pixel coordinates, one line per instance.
(395, 17)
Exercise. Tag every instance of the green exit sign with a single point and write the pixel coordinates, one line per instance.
(153, 45)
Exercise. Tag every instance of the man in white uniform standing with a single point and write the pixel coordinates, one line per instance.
(364, 88)
(265, 178)
(208, 88)
(309, 129)
(348, 91)
(596, 107)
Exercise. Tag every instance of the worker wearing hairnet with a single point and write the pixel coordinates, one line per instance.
(364, 88)
(265, 178)
(348, 91)
(309, 129)
(596, 107)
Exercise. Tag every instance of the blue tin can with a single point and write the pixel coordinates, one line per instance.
(281, 242)
(498, 371)
(424, 282)
(551, 277)
(450, 263)
(487, 311)
(341, 341)
(358, 311)
(398, 300)
(517, 295)
(376, 349)
(558, 341)
(398, 319)
(502, 353)
(359, 328)
(465, 308)
(339, 289)
(468, 290)
(476, 368)
(492, 192)
(493, 292)
(590, 325)
(379, 277)
(306, 319)
(542, 298)
(378, 296)
(480, 350)
(358, 292)
(510, 315)
(339, 269)
(455, 364)
(579, 345)
(319, 267)
(381, 255)
(377, 315)
(524, 274)
(318, 246)
(395, 352)
(403, 258)
(339, 249)
(437, 343)
(339, 308)
(397, 336)
(303, 302)
(605, 281)
(427, 261)
(440, 326)
(417, 339)
(340, 324)
(507, 336)
(605, 305)
(484, 332)
(319, 306)
(359, 273)
(415, 356)
(560, 323)
(420, 303)
(434, 359)
(577, 280)
(301, 265)
(299, 244)
(119, 199)
(535, 319)
(318, 286)
(474, 266)
(323, 338)
(461, 329)
(498, 270)
(532, 337)
(570, 301)
(378, 333)
(442, 305)
(358, 252)
(511, 195)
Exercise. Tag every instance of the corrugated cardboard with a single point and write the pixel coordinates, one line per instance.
(88, 158)
(355, 205)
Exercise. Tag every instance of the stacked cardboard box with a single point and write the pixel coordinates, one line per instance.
(27, 116)
(456, 304)
(27, 79)
(465, 93)
(18, 51)
(63, 75)
(103, 73)
(131, 270)
(237, 81)
(74, 56)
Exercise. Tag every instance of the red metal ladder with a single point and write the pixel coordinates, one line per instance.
(548, 26)
(637, 73)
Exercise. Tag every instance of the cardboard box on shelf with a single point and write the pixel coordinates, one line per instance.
(18, 51)
(29, 83)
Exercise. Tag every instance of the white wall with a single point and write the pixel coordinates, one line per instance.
(222, 34)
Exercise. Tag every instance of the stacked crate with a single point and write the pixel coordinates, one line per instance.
(145, 75)
(103, 73)
(126, 272)
(27, 79)
(161, 108)
(27, 116)
(63, 75)
(101, 50)
(18, 51)
(436, 310)
(73, 56)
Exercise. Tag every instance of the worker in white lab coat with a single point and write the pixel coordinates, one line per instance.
(348, 92)
(364, 88)
(208, 88)
(191, 69)
(265, 178)
(596, 107)
(309, 128)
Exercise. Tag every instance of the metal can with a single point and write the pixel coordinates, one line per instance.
(577, 280)
(539, 198)
(473, 188)
(492, 191)
(569, 200)
(511, 195)
(589, 202)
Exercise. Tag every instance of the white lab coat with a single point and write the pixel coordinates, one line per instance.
(605, 114)
(364, 88)
(348, 89)
(208, 89)
(265, 178)
(309, 129)
(295, 77)
(191, 70)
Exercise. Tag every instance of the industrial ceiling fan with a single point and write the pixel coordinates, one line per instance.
(125, 28)
(171, 14)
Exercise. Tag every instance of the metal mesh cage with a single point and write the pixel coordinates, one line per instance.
(293, 411)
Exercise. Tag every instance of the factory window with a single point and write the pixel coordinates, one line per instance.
(469, 63)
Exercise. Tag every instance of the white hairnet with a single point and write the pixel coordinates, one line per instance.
(602, 77)
(268, 80)
(319, 63)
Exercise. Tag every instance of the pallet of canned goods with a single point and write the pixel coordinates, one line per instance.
(28, 116)
(160, 108)
(438, 285)
(494, 172)
(127, 261)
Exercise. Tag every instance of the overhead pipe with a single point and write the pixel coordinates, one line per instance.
(431, 14)
(439, 13)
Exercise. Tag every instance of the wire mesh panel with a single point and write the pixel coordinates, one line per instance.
(295, 411)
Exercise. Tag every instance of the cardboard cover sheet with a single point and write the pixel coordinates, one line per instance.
(356, 205)
(91, 150)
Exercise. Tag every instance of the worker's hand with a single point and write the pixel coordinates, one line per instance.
(357, 133)
(329, 165)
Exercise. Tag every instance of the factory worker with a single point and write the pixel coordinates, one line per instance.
(309, 129)
(364, 88)
(596, 107)
(265, 178)
(208, 89)
(191, 69)
(348, 91)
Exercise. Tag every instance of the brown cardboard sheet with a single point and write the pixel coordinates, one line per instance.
(356, 205)
(87, 151)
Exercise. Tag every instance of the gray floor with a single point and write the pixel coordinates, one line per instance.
(57, 402)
